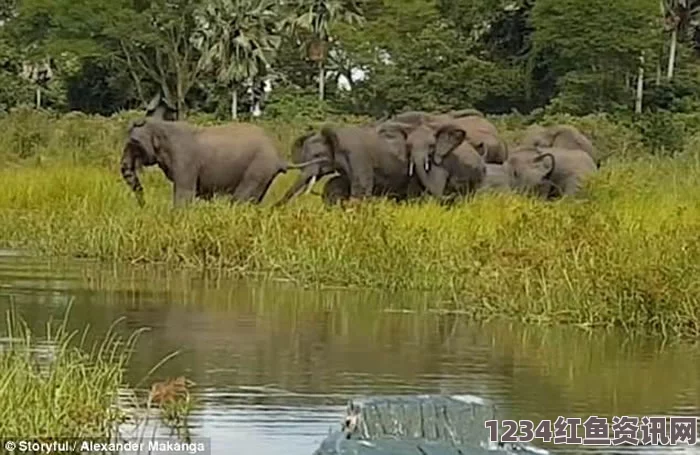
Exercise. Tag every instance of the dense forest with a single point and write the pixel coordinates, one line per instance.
(376, 57)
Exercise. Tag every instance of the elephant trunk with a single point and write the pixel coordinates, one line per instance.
(307, 179)
(431, 176)
(129, 166)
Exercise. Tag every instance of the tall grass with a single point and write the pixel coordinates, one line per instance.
(57, 388)
(624, 254)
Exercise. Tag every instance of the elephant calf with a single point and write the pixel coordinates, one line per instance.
(550, 172)
(238, 159)
(561, 137)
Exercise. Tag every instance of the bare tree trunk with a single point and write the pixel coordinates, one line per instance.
(672, 53)
(180, 100)
(234, 103)
(132, 72)
(640, 86)
(658, 73)
(321, 79)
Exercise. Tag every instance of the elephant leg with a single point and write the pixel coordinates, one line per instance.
(336, 190)
(204, 194)
(185, 190)
(251, 189)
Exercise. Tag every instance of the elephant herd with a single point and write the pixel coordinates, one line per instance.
(415, 153)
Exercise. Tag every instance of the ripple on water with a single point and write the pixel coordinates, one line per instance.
(275, 365)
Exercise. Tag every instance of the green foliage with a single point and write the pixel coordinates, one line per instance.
(73, 394)
(593, 49)
(63, 196)
(296, 105)
(595, 34)
(584, 92)
(663, 133)
(625, 255)
(567, 56)
(241, 38)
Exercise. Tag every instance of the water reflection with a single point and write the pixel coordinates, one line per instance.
(274, 364)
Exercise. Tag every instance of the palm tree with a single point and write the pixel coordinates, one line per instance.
(240, 38)
(315, 19)
(680, 15)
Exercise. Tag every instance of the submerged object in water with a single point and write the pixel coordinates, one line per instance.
(419, 425)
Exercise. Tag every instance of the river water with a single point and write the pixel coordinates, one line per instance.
(275, 364)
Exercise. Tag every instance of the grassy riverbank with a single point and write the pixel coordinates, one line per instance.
(59, 388)
(625, 254)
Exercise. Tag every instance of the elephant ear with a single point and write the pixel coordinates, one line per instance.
(546, 163)
(331, 137)
(297, 154)
(448, 138)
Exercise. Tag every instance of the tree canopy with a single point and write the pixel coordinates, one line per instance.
(363, 57)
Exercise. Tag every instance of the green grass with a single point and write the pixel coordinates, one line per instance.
(626, 254)
(60, 388)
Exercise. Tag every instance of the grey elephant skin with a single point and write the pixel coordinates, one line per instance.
(484, 137)
(481, 133)
(496, 179)
(560, 136)
(366, 164)
(238, 160)
(444, 162)
(549, 173)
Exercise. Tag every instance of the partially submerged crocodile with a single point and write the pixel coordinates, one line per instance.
(418, 425)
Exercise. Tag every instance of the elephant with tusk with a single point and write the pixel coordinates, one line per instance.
(238, 160)
(367, 164)
(480, 132)
(444, 162)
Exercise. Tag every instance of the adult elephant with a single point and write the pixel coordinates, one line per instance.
(549, 172)
(480, 132)
(559, 136)
(482, 135)
(238, 159)
(418, 117)
(445, 163)
(366, 162)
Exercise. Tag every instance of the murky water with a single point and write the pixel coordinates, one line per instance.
(275, 364)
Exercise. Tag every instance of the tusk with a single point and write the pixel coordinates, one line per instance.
(410, 168)
(426, 164)
(311, 184)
